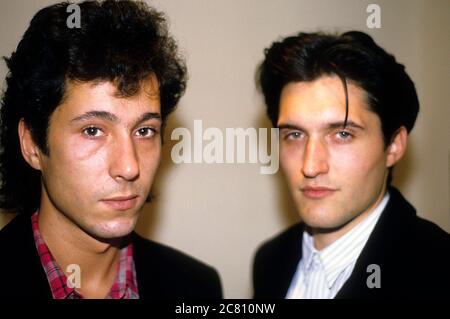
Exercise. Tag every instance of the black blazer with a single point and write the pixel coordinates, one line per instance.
(162, 272)
(413, 255)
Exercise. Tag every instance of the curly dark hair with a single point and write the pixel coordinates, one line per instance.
(353, 56)
(123, 42)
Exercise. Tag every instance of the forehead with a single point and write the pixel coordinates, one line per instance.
(322, 101)
(81, 97)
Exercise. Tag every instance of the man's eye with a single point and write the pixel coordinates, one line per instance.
(145, 132)
(92, 131)
(344, 135)
(293, 135)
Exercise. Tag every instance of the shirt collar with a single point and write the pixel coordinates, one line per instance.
(336, 257)
(125, 283)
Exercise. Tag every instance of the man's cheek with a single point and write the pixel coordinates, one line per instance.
(288, 163)
(81, 149)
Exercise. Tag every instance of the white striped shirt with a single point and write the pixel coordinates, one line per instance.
(321, 274)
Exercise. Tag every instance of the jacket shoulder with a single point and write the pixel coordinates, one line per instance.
(275, 263)
(431, 232)
(12, 227)
(282, 243)
(410, 226)
(171, 273)
(17, 235)
(410, 253)
(26, 276)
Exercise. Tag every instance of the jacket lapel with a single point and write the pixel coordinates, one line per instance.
(27, 276)
(380, 249)
(286, 265)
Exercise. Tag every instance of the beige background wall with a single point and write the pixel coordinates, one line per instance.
(221, 212)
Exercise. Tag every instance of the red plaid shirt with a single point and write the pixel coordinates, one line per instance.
(124, 286)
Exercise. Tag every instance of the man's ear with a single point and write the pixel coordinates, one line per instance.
(30, 151)
(397, 147)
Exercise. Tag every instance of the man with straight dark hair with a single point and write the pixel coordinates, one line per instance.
(81, 134)
(344, 108)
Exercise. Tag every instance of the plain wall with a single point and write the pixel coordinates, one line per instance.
(220, 213)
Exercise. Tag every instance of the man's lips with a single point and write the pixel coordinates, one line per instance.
(317, 192)
(121, 202)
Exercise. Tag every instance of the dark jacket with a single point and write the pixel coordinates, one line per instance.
(413, 255)
(162, 272)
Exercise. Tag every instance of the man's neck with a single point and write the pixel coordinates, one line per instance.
(69, 244)
(325, 237)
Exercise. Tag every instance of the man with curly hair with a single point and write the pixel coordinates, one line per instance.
(81, 133)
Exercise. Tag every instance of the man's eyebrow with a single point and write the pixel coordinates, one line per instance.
(148, 116)
(289, 127)
(333, 125)
(113, 118)
(343, 124)
(96, 114)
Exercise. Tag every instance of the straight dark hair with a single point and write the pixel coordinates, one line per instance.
(353, 57)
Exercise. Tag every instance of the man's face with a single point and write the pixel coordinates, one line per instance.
(104, 151)
(335, 174)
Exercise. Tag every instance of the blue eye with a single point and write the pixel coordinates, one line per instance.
(294, 135)
(344, 135)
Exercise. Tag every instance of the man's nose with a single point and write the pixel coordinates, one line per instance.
(124, 160)
(315, 158)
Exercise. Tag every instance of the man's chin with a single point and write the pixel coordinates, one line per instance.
(324, 228)
(321, 220)
(325, 223)
(112, 232)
